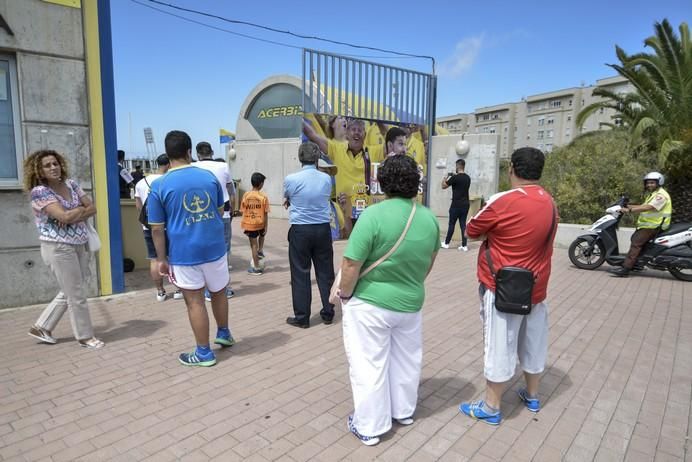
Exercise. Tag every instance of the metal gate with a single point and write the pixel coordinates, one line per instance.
(339, 85)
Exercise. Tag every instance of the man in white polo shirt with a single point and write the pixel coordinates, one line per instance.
(220, 170)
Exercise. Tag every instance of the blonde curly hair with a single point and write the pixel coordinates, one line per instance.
(33, 175)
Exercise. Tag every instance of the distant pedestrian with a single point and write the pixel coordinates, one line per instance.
(220, 170)
(137, 175)
(185, 207)
(142, 189)
(306, 196)
(255, 209)
(460, 183)
(61, 208)
(124, 177)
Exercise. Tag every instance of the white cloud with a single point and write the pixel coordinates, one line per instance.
(463, 57)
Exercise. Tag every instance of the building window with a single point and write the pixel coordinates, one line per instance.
(550, 134)
(568, 132)
(506, 129)
(540, 135)
(556, 103)
(492, 129)
(570, 103)
(496, 116)
(528, 122)
(540, 146)
(10, 134)
(569, 118)
(549, 147)
(541, 121)
(551, 121)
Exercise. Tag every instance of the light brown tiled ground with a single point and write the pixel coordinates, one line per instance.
(617, 386)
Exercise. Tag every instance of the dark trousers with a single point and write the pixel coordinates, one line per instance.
(310, 244)
(457, 213)
(639, 238)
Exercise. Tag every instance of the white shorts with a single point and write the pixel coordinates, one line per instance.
(508, 337)
(214, 275)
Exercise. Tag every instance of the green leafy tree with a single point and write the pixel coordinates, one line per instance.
(592, 172)
(658, 114)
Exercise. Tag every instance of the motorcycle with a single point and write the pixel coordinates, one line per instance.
(670, 250)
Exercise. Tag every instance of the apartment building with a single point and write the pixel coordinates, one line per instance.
(543, 121)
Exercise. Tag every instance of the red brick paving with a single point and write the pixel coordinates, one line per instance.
(617, 386)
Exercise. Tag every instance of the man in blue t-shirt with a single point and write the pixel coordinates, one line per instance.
(188, 203)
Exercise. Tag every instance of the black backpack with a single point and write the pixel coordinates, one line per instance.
(143, 217)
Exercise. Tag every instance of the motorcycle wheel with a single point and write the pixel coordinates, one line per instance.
(684, 274)
(586, 253)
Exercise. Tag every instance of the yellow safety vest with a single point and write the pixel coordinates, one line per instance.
(652, 219)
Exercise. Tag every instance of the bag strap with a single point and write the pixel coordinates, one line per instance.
(393, 249)
(366, 169)
(545, 249)
(148, 185)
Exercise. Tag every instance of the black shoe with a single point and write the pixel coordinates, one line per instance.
(294, 323)
(619, 271)
(327, 320)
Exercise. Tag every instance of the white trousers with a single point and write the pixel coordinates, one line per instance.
(508, 337)
(385, 352)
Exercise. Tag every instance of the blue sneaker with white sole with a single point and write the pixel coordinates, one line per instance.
(195, 359)
(532, 404)
(475, 410)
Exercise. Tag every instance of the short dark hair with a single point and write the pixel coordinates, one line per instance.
(204, 149)
(308, 153)
(178, 143)
(398, 176)
(121, 155)
(527, 163)
(257, 179)
(461, 162)
(162, 160)
(393, 133)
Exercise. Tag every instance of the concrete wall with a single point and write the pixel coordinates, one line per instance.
(482, 166)
(48, 46)
(275, 159)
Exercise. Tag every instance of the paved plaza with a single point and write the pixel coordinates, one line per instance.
(617, 387)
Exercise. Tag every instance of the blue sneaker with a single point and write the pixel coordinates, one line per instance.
(194, 359)
(532, 404)
(255, 271)
(207, 295)
(475, 410)
(223, 339)
(229, 292)
(366, 440)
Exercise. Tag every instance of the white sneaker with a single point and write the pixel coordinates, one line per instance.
(178, 295)
(161, 296)
(406, 421)
(463, 248)
(443, 245)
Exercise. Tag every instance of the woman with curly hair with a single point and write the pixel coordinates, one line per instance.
(60, 209)
(390, 252)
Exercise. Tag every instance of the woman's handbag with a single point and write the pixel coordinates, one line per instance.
(334, 292)
(93, 242)
(513, 284)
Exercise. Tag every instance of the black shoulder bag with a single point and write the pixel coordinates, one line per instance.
(513, 284)
(143, 216)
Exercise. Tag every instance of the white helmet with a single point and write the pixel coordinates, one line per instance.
(654, 176)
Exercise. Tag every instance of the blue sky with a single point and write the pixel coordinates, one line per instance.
(173, 74)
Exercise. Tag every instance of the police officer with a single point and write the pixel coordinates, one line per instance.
(654, 215)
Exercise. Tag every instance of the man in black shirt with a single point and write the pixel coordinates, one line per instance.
(125, 179)
(459, 208)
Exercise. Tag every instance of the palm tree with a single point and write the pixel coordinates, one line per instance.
(659, 111)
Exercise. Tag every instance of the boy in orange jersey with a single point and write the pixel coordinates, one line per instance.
(255, 208)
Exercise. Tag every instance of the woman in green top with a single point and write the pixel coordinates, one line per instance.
(381, 310)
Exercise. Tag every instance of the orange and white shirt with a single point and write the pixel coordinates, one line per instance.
(254, 207)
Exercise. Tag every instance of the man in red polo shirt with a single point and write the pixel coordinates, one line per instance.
(519, 226)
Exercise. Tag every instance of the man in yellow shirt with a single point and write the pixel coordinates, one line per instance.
(353, 161)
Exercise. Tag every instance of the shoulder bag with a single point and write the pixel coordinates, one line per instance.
(514, 284)
(334, 292)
